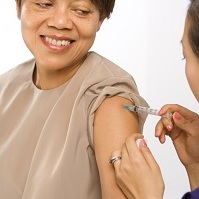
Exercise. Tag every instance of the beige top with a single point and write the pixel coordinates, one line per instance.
(46, 136)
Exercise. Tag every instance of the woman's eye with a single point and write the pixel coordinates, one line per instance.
(44, 5)
(82, 12)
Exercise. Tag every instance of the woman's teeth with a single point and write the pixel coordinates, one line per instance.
(57, 42)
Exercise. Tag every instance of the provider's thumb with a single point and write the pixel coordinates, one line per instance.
(180, 121)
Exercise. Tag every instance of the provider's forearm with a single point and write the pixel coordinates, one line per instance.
(193, 174)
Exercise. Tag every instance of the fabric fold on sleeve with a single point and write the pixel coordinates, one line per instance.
(115, 86)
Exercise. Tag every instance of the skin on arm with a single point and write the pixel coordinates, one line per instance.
(184, 132)
(138, 173)
(112, 125)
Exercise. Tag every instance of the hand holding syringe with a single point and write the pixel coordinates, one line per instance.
(147, 110)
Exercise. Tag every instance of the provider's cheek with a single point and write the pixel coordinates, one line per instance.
(187, 70)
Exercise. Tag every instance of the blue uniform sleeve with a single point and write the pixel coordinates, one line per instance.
(192, 195)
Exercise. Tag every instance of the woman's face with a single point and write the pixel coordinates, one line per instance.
(192, 62)
(59, 33)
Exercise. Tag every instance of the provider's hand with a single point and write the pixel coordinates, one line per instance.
(184, 132)
(137, 172)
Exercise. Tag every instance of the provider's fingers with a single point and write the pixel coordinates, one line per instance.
(116, 159)
(130, 146)
(174, 108)
(184, 112)
(161, 131)
(146, 152)
(185, 122)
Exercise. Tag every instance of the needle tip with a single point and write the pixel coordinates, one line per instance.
(126, 107)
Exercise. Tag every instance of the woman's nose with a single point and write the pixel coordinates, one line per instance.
(61, 19)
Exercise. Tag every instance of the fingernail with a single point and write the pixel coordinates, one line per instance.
(160, 111)
(168, 127)
(156, 133)
(143, 143)
(177, 116)
(138, 142)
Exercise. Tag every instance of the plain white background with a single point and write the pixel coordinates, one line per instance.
(142, 37)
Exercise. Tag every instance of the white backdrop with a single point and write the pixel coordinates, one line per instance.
(142, 37)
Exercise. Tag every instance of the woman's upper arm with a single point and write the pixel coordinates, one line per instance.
(112, 125)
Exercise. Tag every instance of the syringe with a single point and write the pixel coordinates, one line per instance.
(147, 110)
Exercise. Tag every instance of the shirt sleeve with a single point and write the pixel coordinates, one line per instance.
(192, 195)
(115, 86)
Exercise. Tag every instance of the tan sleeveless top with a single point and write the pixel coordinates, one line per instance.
(46, 136)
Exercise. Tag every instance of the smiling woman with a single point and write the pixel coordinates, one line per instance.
(50, 23)
(61, 112)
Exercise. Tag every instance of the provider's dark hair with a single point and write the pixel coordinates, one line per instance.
(105, 7)
(193, 32)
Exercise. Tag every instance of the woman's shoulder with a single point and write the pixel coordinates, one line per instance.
(21, 70)
(105, 66)
(18, 75)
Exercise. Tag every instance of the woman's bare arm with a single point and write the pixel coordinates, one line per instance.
(112, 125)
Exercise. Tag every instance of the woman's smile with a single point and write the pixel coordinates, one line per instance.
(56, 43)
(59, 33)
